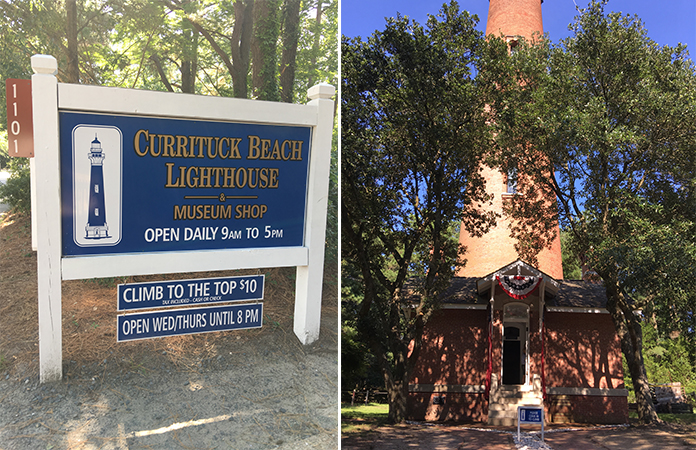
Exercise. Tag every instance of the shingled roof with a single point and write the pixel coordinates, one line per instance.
(578, 293)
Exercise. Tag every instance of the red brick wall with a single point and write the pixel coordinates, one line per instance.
(586, 409)
(455, 352)
(582, 350)
(455, 349)
(457, 407)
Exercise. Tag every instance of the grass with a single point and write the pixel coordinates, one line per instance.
(677, 419)
(363, 417)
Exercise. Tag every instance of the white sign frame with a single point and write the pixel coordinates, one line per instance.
(49, 96)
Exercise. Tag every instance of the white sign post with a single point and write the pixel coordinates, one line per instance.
(48, 215)
(51, 100)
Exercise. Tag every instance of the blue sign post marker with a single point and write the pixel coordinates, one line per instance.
(530, 414)
(200, 291)
(178, 322)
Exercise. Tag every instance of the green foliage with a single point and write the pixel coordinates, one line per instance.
(16, 192)
(4, 156)
(331, 249)
(358, 365)
(668, 359)
(571, 263)
(155, 45)
(317, 58)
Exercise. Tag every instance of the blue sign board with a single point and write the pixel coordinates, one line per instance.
(143, 184)
(530, 414)
(178, 322)
(198, 291)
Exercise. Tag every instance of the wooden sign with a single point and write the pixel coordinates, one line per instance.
(153, 139)
(20, 129)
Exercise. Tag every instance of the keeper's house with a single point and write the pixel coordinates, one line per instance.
(517, 336)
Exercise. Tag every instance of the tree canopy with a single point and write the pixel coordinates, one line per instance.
(265, 50)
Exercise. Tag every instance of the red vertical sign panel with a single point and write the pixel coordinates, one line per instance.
(20, 128)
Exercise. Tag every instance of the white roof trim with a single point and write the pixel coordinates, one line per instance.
(576, 309)
(462, 306)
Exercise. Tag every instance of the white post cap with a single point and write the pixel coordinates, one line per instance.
(321, 90)
(44, 64)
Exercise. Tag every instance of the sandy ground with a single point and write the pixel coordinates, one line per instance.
(244, 389)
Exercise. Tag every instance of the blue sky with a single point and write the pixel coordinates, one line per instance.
(667, 22)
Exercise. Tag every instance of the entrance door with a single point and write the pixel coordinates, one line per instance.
(514, 360)
(515, 343)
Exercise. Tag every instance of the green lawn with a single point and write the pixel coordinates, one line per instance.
(679, 419)
(363, 417)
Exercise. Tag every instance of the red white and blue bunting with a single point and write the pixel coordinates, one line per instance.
(518, 286)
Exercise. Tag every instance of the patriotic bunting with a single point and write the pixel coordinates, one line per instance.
(518, 286)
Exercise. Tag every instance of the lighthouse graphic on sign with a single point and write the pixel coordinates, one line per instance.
(96, 224)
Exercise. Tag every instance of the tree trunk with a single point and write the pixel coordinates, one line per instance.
(240, 46)
(631, 337)
(264, 49)
(73, 69)
(316, 46)
(398, 395)
(291, 36)
(396, 381)
(189, 58)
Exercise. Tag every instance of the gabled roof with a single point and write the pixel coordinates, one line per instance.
(563, 293)
(518, 267)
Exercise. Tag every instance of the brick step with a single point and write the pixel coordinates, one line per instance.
(523, 400)
(502, 422)
(511, 413)
(509, 406)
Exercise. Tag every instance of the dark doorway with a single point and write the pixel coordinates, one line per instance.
(511, 362)
(512, 357)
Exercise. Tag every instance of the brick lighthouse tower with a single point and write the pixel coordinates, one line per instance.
(96, 223)
(513, 20)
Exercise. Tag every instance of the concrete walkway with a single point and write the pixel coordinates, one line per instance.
(626, 438)
(428, 437)
(402, 437)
